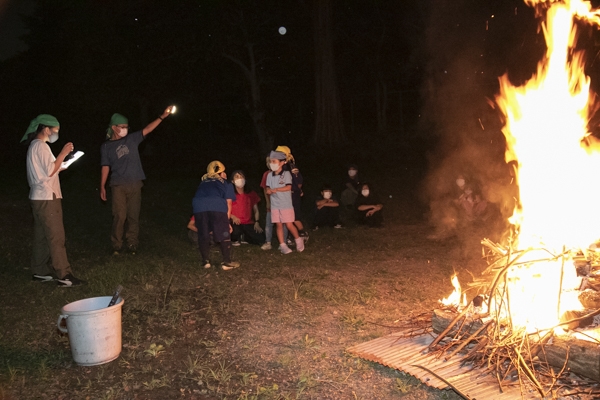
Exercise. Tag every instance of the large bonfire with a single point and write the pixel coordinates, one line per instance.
(530, 292)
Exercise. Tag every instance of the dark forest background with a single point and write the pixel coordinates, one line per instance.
(385, 84)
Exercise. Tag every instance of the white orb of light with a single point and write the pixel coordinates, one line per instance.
(282, 30)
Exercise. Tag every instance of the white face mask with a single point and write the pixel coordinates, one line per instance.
(327, 195)
(460, 182)
(53, 137)
(240, 182)
(352, 172)
(274, 167)
(365, 192)
(122, 132)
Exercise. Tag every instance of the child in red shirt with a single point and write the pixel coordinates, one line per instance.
(245, 214)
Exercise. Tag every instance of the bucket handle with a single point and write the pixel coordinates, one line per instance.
(58, 323)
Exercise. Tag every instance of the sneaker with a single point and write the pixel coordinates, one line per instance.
(338, 226)
(300, 244)
(235, 244)
(207, 264)
(290, 243)
(304, 236)
(42, 278)
(244, 242)
(69, 281)
(285, 249)
(132, 248)
(230, 265)
(116, 251)
(266, 246)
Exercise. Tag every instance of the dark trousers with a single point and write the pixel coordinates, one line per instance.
(126, 204)
(48, 238)
(326, 216)
(250, 235)
(216, 222)
(374, 220)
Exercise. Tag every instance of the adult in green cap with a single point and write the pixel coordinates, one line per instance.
(49, 256)
(120, 158)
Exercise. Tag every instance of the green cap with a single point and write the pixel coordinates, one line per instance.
(116, 119)
(43, 119)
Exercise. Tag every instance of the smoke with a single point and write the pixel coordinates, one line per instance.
(460, 115)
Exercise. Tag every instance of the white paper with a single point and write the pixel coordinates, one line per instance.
(75, 157)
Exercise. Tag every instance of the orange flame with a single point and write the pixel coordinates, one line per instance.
(547, 135)
(454, 299)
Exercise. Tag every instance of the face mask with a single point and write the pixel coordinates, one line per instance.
(460, 182)
(352, 172)
(365, 192)
(240, 182)
(122, 132)
(327, 195)
(53, 137)
(274, 167)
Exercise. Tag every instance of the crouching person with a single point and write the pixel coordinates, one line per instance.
(327, 210)
(243, 209)
(368, 207)
(212, 211)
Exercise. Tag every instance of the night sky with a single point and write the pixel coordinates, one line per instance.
(412, 77)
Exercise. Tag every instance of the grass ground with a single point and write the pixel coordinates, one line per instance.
(276, 328)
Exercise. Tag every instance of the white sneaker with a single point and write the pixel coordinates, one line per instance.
(235, 244)
(300, 244)
(266, 246)
(230, 265)
(285, 249)
(207, 264)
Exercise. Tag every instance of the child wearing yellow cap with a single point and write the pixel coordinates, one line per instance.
(212, 212)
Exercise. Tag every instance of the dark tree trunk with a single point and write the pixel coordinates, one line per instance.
(328, 125)
(381, 102)
(254, 104)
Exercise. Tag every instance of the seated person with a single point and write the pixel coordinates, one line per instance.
(245, 228)
(368, 207)
(470, 202)
(327, 210)
(351, 188)
(192, 231)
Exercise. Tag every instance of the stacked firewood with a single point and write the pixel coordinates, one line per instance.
(484, 336)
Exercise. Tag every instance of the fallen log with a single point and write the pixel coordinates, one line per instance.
(442, 318)
(590, 299)
(582, 357)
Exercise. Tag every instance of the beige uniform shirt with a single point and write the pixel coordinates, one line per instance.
(40, 164)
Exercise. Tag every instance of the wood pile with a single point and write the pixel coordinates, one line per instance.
(553, 361)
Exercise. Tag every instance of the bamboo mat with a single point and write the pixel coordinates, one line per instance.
(410, 355)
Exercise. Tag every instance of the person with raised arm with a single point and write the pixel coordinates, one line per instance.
(120, 158)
